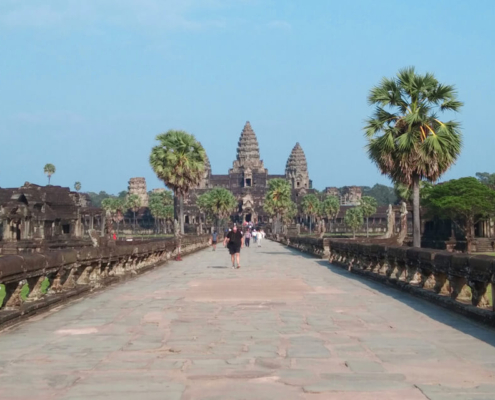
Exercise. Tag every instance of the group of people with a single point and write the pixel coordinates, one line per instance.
(235, 239)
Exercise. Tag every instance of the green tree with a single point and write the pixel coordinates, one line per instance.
(406, 138)
(123, 194)
(97, 198)
(354, 219)
(368, 208)
(49, 170)
(203, 203)
(108, 204)
(178, 160)
(311, 207)
(486, 179)
(120, 206)
(158, 202)
(278, 200)
(384, 195)
(465, 201)
(133, 203)
(218, 202)
(330, 207)
(77, 186)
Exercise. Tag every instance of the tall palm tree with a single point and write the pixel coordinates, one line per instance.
(354, 219)
(278, 200)
(221, 203)
(77, 186)
(311, 207)
(406, 138)
(203, 202)
(178, 160)
(49, 170)
(330, 207)
(368, 207)
(120, 206)
(404, 192)
(109, 206)
(133, 203)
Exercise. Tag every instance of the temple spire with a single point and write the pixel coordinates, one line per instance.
(296, 169)
(248, 151)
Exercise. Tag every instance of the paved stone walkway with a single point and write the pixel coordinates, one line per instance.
(284, 326)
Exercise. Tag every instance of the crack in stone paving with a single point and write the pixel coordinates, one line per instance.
(284, 326)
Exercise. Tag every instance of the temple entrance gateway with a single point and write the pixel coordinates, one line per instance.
(248, 218)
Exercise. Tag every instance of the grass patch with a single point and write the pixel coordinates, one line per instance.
(488, 254)
(45, 285)
(24, 292)
(3, 293)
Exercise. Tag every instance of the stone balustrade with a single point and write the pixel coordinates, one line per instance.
(454, 280)
(32, 281)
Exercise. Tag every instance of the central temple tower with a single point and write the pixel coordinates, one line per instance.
(248, 153)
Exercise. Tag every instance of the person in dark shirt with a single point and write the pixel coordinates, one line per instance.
(214, 237)
(234, 242)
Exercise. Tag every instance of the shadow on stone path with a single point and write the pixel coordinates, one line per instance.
(284, 326)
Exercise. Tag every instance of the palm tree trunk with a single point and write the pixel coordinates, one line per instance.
(200, 223)
(49, 176)
(367, 218)
(310, 218)
(416, 216)
(134, 212)
(181, 213)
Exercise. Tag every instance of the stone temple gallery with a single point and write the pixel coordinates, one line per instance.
(248, 181)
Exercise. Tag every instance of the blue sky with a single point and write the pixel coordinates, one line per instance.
(87, 85)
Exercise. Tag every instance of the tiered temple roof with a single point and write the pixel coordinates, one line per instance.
(297, 159)
(248, 151)
(296, 169)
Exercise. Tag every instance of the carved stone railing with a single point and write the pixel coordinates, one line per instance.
(30, 282)
(456, 281)
(314, 246)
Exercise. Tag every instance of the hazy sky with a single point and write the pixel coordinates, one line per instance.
(88, 84)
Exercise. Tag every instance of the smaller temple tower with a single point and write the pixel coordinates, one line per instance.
(296, 169)
(205, 181)
(138, 186)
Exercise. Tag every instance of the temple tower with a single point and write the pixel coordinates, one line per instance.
(248, 153)
(205, 181)
(296, 169)
(138, 186)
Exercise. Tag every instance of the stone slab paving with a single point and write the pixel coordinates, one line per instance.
(284, 326)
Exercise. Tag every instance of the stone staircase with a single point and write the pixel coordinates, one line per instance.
(484, 245)
(9, 248)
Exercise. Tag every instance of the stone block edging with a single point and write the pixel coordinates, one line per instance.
(458, 282)
(32, 283)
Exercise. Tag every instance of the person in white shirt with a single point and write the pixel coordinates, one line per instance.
(259, 238)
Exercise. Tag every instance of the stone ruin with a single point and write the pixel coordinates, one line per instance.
(137, 186)
(34, 217)
(348, 195)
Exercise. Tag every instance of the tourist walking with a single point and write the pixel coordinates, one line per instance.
(259, 238)
(254, 235)
(234, 242)
(247, 238)
(214, 238)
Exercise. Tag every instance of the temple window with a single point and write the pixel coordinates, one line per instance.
(248, 182)
(298, 184)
